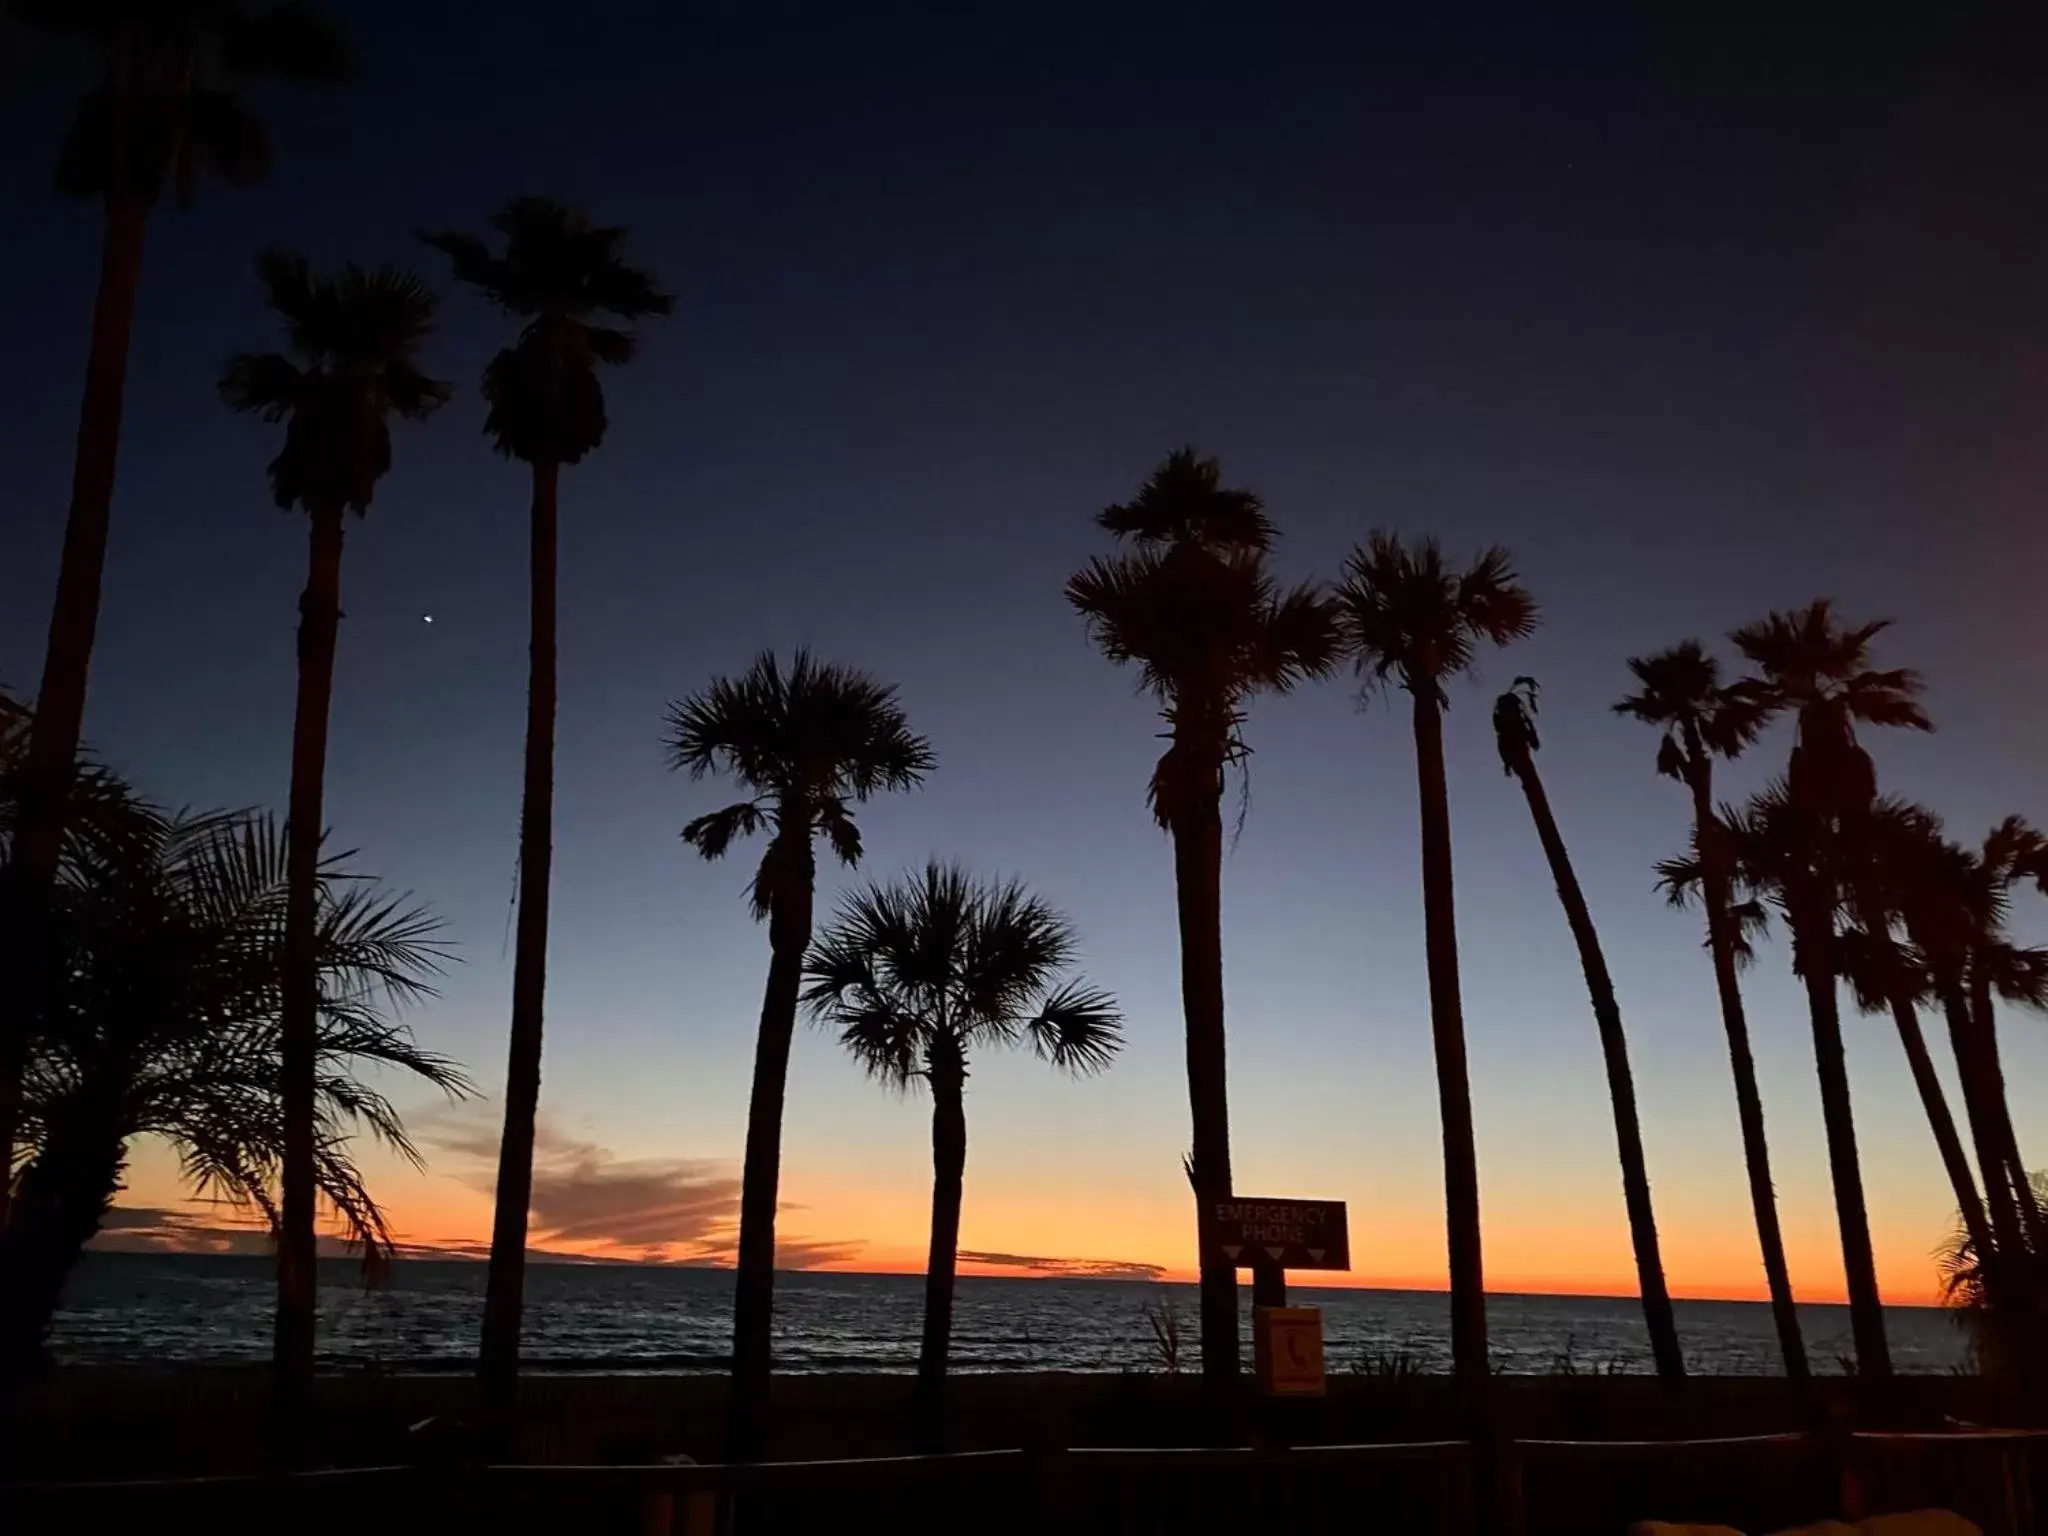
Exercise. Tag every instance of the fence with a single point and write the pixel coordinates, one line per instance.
(1558, 1488)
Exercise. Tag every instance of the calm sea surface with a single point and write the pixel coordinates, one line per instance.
(151, 1309)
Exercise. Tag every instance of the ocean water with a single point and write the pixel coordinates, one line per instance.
(163, 1309)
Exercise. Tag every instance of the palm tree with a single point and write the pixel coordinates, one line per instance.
(2011, 852)
(917, 977)
(2007, 1339)
(353, 338)
(1884, 975)
(555, 272)
(1514, 728)
(804, 743)
(1191, 603)
(1680, 693)
(165, 111)
(1412, 619)
(1812, 667)
(168, 1022)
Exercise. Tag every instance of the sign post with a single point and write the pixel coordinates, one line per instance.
(1270, 1237)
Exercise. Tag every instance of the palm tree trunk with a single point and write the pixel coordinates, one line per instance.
(297, 1253)
(1986, 1020)
(753, 1310)
(1749, 1102)
(64, 1195)
(505, 1289)
(1621, 1088)
(1454, 1090)
(1970, 1072)
(1814, 938)
(1198, 893)
(67, 661)
(949, 1166)
(1943, 1124)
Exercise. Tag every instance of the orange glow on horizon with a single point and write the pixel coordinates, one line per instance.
(1115, 1239)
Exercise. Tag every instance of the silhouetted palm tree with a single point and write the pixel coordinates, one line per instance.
(165, 111)
(917, 977)
(1887, 974)
(1412, 619)
(1682, 696)
(167, 1023)
(1192, 604)
(1810, 666)
(556, 272)
(1957, 914)
(352, 339)
(804, 743)
(1998, 1296)
(1514, 727)
(2012, 853)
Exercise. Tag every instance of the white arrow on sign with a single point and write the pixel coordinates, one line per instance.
(1230, 1252)
(1275, 1253)
(1317, 1254)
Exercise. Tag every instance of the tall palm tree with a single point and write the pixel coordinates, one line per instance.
(1190, 602)
(919, 976)
(352, 338)
(804, 742)
(1413, 619)
(1680, 694)
(1954, 908)
(1812, 667)
(165, 111)
(2011, 853)
(1884, 975)
(1514, 729)
(555, 273)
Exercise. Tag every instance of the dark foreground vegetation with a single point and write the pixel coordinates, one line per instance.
(97, 1423)
(1063, 1452)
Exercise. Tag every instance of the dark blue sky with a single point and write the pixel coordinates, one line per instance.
(1698, 319)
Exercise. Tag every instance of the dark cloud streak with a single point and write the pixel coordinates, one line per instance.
(1066, 1269)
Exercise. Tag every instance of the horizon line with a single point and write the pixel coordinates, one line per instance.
(423, 1253)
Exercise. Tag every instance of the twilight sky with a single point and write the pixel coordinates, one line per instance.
(1697, 322)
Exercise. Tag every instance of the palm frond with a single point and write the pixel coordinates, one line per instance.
(1184, 502)
(353, 335)
(1411, 617)
(263, 384)
(1079, 1030)
(712, 834)
(939, 962)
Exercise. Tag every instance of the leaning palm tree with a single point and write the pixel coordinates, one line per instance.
(165, 111)
(168, 1023)
(352, 338)
(920, 976)
(555, 273)
(1412, 619)
(1884, 975)
(1680, 694)
(2013, 852)
(1514, 729)
(805, 743)
(1954, 903)
(1810, 666)
(1190, 601)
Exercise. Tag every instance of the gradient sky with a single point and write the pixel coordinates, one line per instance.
(1697, 322)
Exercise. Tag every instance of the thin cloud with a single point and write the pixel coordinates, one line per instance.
(649, 1210)
(1066, 1269)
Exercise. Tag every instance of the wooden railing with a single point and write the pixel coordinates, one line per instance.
(1558, 1488)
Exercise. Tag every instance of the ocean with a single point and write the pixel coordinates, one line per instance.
(157, 1309)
